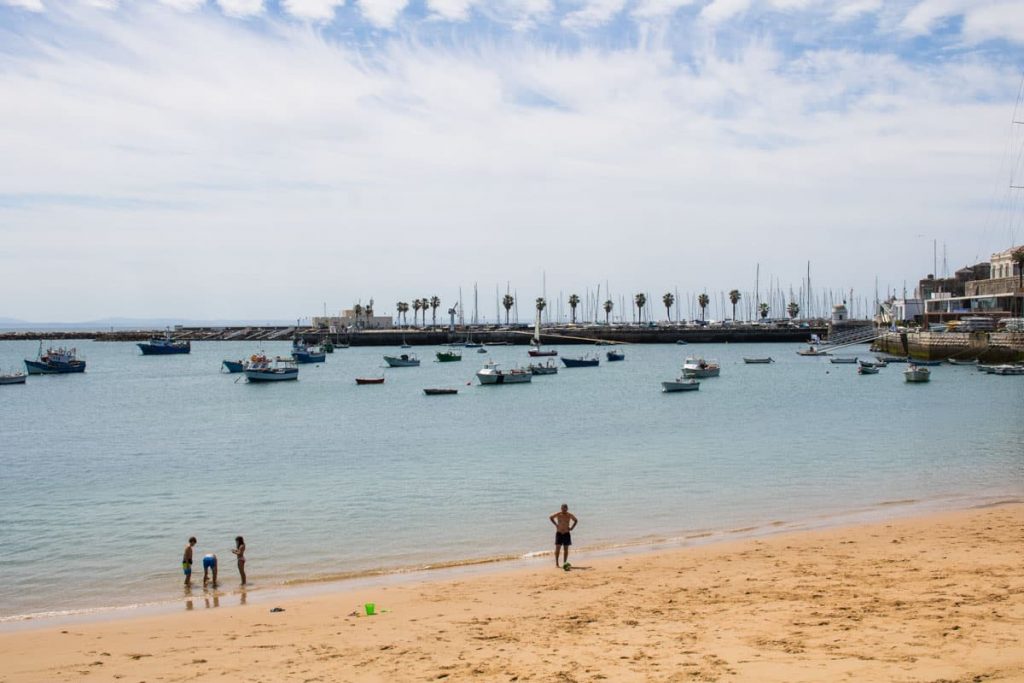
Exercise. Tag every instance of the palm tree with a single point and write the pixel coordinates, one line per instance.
(608, 306)
(734, 298)
(668, 299)
(434, 303)
(793, 309)
(405, 312)
(1018, 258)
(763, 308)
(417, 304)
(357, 310)
(641, 301)
(508, 301)
(574, 301)
(703, 302)
(368, 311)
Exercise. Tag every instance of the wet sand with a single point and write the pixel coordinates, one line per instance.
(936, 598)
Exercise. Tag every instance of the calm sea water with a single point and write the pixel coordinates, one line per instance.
(103, 476)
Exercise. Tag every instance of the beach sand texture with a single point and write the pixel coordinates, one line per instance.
(936, 598)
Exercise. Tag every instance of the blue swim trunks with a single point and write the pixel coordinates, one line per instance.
(186, 567)
(209, 562)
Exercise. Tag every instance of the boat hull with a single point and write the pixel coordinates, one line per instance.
(538, 353)
(164, 349)
(680, 385)
(279, 375)
(504, 377)
(867, 370)
(916, 376)
(307, 357)
(700, 373)
(614, 356)
(543, 370)
(581, 362)
(35, 367)
(398, 362)
(758, 361)
(440, 392)
(369, 380)
(448, 357)
(842, 361)
(233, 366)
(13, 379)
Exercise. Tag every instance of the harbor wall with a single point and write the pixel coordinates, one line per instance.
(441, 336)
(989, 347)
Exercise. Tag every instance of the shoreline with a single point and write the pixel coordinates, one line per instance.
(445, 570)
(940, 596)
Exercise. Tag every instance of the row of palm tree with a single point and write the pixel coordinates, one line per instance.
(431, 303)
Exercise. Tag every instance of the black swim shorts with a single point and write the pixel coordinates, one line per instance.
(563, 539)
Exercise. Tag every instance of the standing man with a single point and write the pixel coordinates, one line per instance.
(564, 522)
(186, 561)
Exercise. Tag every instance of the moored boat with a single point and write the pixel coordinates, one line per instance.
(581, 362)
(262, 369)
(449, 356)
(548, 368)
(440, 392)
(913, 373)
(812, 351)
(164, 346)
(680, 384)
(615, 355)
(13, 378)
(867, 370)
(956, 361)
(406, 360)
(893, 359)
(369, 380)
(927, 363)
(1007, 369)
(758, 361)
(233, 366)
(307, 354)
(59, 361)
(491, 373)
(839, 360)
(695, 366)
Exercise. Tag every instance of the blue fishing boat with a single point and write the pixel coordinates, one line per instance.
(163, 346)
(58, 361)
(307, 354)
(582, 362)
(234, 366)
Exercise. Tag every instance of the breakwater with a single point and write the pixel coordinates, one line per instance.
(989, 347)
(626, 334)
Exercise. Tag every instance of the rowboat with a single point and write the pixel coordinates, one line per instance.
(369, 380)
(758, 361)
(440, 392)
(839, 360)
(681, 384)
(915, 374)
(811, 351)
(954, 361)
(867, 370)
(13, 378)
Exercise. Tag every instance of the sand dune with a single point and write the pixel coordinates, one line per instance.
(939, 598)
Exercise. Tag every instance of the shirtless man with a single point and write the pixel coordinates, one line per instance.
(186, 561)
(209, 566)
(564, 522)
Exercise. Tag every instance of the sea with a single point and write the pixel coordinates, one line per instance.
(105, 475)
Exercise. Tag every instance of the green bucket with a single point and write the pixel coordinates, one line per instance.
(371, 609)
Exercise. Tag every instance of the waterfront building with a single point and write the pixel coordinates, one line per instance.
(998, 295)
(347, 319)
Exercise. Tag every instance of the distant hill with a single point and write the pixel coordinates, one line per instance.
(131, 324)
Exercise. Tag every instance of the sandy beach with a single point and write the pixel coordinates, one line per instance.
(936, 598)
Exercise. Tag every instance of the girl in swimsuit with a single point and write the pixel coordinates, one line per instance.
(239, 552)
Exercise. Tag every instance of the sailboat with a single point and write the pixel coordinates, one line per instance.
(535, 349)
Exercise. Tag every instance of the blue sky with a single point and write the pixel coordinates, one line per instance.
(247, 159)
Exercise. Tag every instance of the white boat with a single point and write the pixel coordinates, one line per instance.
(406, 360)
(758, 361)
(262, 369)
(914, 373)
(956, 361)
(13, 378)
(1008, 370)
(548, 368)
(492, 374)
(695, 366)
(680, 384)
(872, 364)
(867, 370)
(812, 351)
(843, 359)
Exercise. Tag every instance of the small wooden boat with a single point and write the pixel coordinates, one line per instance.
(872, 364)
(548, 368)
(615, 355)
(13, 378)
(681, 384)
(581, 362)
(233, 366)
(406, 360)
(916, 374)
(695, 366)
(867, 370)
(758, 361)
(440, 392)
(839, 360)
(812, 351)
(954, 361)
(369, 380)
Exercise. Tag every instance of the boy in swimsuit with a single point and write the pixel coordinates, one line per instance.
(564, 522)
(186, 561)
(209, 565)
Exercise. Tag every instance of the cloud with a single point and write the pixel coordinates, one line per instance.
(847, 11)
(382, 13)
(184, 5)
(312, 10)
(452, 10)
(593, 13)
(241, 8)
(33, 5)
(718, 11)
(998, 20)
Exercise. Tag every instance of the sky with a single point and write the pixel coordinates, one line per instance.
(260, 159)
